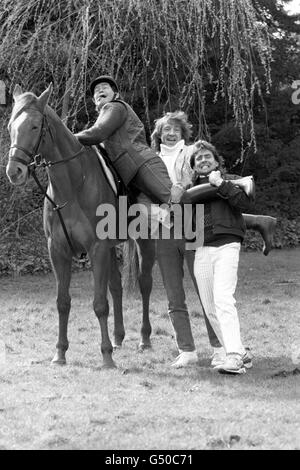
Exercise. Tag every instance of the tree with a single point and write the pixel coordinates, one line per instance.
(211, 58)
(275, 164)
(163, 51)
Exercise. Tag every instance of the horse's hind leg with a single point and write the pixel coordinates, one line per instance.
(146, 252)
(100, 259)
(115, 287)
(62, 270)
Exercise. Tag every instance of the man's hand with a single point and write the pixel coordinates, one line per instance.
(215, 178)
(176, 193)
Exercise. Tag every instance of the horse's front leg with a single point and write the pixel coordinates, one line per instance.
(100, 260)
(146, 253)
(115, 287)
(62, 271)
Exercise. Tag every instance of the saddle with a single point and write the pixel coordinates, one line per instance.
(111, 174)
(120, 188)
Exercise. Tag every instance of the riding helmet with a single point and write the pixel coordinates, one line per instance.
(101, 79)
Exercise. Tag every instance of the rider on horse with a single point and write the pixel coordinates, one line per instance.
(123, 136)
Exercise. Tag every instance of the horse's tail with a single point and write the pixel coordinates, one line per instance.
(130, 267)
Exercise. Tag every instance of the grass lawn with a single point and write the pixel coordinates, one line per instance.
(144, 404)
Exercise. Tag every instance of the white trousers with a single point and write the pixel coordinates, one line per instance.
(215, 271)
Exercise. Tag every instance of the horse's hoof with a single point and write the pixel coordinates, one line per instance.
(109, 365)
(117, 346)
(58, 361)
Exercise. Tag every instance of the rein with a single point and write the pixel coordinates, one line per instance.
(37, 162)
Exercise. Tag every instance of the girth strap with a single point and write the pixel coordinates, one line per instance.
(57, 209)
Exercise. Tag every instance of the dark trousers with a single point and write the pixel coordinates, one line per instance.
(170, 255)
(153, 180)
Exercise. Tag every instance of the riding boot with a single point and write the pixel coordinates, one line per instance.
(206, 192)
(199, 194)
(265, 225)
(247, 185)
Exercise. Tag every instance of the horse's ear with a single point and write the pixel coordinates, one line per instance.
(17, 91)
(44, 97)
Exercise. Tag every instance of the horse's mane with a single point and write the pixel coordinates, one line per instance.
(54, 117)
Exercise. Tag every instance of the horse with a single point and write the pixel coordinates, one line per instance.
(77, 186)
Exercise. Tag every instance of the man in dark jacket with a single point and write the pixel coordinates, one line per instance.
(122, 134)
(216, 262)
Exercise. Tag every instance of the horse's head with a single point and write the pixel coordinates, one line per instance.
(25, 128)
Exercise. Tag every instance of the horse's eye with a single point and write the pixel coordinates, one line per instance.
(34, 128)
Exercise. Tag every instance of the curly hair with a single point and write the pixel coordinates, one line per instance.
(203, 144)
(178, 118)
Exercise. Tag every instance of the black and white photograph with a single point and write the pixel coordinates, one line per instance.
(150, 228)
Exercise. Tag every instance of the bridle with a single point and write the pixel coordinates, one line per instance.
(32, 155)
(35, 161)
(35, 158)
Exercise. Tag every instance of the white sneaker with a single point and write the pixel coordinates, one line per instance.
(185, 359)
(218, 358)
(233, 365)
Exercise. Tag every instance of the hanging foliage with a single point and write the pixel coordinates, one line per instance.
(162, 52)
